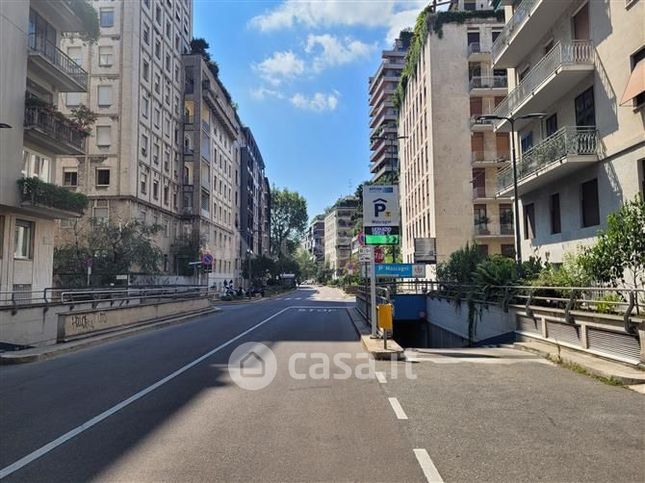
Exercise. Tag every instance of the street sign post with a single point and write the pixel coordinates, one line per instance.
(425, 250)
(381, 214)
(400, 270)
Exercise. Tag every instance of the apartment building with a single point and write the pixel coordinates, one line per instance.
(449, 161)
(338, 235)
(581, 64)
(133, 167)
(384, 158)
(314, 242)
(254, 199)
(210, 170)
(33, 137)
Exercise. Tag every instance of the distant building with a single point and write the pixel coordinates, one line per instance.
(338, 234)
(384, 148)
(33, 71)
(314, 241)
(448, 160)
(582, 64)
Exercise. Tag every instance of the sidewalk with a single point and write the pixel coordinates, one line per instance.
(45, 352)
(374, 347)
(594, 366)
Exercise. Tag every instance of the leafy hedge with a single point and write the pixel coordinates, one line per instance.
(39, 192)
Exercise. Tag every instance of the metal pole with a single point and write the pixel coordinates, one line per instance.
(516, 201)
(373, 294)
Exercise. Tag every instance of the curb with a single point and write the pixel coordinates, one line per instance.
(250, 301)
(395, 351)
(47, 352)
(563, 357)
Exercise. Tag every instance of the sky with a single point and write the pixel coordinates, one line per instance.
(299, 72)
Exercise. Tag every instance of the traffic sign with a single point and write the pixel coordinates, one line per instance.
(400, 270)
(207, 259)
(365, 255)
(381, 214)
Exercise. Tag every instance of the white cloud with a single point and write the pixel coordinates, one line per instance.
(263, 92)
(333, 51)
(392, 14)
(280, 66)
(318, 102)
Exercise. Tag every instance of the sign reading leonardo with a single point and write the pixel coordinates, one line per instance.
(381, 214)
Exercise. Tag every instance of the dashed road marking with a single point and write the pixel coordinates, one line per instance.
(396, 406)
(428, 467)
(380, 377)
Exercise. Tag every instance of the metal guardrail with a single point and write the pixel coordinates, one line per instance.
(576, 52)
(55, 126)
(363, 303)
(70, 296)
(489, 82)
(518, 19)
(38, 44)
(567, 141)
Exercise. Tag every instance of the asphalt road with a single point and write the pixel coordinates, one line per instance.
(163, 406)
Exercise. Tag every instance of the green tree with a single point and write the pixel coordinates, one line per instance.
(461, 266)
(288, 221)
(306, 264)
(113, 248)
(185, 250)
(618, 257)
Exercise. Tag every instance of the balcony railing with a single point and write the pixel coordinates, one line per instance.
(568, 141)
(481, 229)
(39, 194)
(489, 82)
(476, 48)
(516, 21)
(506, 228)
(577, 52)
(40, 45)
(55, 126)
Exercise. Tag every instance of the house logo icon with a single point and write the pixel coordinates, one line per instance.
(252, 366)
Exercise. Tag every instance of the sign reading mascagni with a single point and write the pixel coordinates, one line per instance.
(381, 214)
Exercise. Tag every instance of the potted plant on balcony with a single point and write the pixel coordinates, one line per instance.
(481, 225)
(83, 118)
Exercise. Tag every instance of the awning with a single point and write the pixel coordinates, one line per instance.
(636, 84)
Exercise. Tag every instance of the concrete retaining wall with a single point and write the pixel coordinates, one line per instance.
(79, 323)
(492, 322)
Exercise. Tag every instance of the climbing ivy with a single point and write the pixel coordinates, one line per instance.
(425, 20)
(90, 18)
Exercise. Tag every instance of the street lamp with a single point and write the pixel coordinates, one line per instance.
(511, 120)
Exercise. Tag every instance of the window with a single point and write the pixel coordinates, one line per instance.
(146, 34)
(483, 249)
(106, 55)
(70, 177)
(473, 38)
(158, 49)
(157, 84)
(166, 194)
(506, 219)
(470, 5)
(103, 136)
(155, 153)
(102, 177)
(144, 145)
(526, 141)
(75, 53)
(106, 17)
(158, 14)
(143, 183)
(146, 70)
(157, 117)
(590, 207)
(554, 212)
(155, 189)
(168, 29)
(508, 250)
(1, 235)
(35, 165)
(72, 99)
(145, 105)
(24, 240)
(167, 63)
(522, 72)
(496, 34)
(551, 124)
(205, 201)
(100, 211)
(585, 109)
(638, 69)
(581, 24)
(104, 96)
(529, 221)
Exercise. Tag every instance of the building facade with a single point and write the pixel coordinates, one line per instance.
(133, 167)
(580, 64)
(384, 158)
(34, 137)
(338, 235)
(449, 162)
(314, 242)
(210, 171)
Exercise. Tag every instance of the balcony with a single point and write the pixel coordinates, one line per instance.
(49, 200)
(530, 22)
(482, 158)
(490, 230)
(562, 153)
(556, 74)
(494, 85)
(476, 52)
(480, 125)
(52, 132)
(49, 62)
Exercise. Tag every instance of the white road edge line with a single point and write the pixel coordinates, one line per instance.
(428, 467)
(396, 406)
(380, 377)
(43, 450)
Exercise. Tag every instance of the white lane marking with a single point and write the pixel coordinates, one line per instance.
(380, 377)
(43, 450)
(396, 406)
(428, 467)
